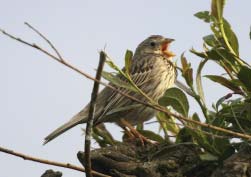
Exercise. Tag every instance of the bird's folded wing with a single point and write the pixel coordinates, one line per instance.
(116, 100)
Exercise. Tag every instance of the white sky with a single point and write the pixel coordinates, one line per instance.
(37, 94)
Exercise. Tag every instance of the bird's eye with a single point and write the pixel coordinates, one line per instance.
(153, 44)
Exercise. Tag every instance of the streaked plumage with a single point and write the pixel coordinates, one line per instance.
(151, 70)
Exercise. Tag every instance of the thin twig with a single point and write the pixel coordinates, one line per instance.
(90, 120)
(190, 127)
(184, 87)
(156, 107)
(45, 38)
(48, 162)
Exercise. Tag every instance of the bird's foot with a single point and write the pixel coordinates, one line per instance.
(133, 133)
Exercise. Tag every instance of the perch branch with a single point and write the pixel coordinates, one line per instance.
(89, 124)
(48, 162)
(156, 107)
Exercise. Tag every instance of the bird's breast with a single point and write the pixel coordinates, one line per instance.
(163, 76)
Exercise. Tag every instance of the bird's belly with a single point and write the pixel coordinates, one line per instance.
(134, 116)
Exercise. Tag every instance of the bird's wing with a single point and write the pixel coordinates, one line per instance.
(116, 100)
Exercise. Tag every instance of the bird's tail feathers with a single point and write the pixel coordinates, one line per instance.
(77, 119)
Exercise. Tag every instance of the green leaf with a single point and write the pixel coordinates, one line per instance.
(236, 113)
(224, 147)
(185, 88)
(218, 121)
(188, 74)
(213, 55)
(183, 136)
(128, 60)
(199, 54)
(223, 81)
(198, 80)
(196, 117)
(151, 135)
(175, 98)
(187, 71)
(245, 77)
(203, 15)
(112, 65)
(226, 55)
(231, 36)
(115, 67)
(221, 100)
(201, 139)
(221, 56)
(184, 63)
(210, 40)
(217, 7)
(102, 136)
(114, 79)
(140, 126)
(225, 58)
(168, 123)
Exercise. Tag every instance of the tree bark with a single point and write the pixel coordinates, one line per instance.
(165, 160)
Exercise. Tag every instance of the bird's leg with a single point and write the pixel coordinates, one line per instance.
(127, 132)
(135, 133)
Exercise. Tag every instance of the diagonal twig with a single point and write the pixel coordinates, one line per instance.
(156, 107)
(48, 162)
(46, 39)
(90, 120)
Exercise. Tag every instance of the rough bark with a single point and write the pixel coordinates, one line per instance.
(166, 160)
(130, 160)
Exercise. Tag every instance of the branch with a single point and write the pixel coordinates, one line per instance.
(89, 123)
(48, 162)
(184, 87)
(156, 107)
(47, 40)
(190, 127)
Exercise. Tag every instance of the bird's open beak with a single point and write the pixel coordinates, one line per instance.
(165, 48)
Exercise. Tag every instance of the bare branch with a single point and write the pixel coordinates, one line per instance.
(89, 124)
(48, 162)
(46, 39)
(156, 107)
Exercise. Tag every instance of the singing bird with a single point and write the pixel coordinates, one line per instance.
(151, 70)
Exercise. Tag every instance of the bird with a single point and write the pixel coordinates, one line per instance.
(152, 70)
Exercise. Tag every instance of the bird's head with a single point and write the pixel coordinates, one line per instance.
(155, 44)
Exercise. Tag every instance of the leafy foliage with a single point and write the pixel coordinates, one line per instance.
(177, 99)
(228, 112)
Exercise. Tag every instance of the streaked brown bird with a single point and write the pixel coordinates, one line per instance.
(151, 70)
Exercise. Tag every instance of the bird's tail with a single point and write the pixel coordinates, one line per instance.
(77, 119)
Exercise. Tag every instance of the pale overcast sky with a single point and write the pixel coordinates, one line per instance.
(38, 94)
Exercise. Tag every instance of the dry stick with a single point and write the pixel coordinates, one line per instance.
(89, 124)
(156, 107)
(48, 162)
(61, 60)
(46, 39)
(191, 128)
